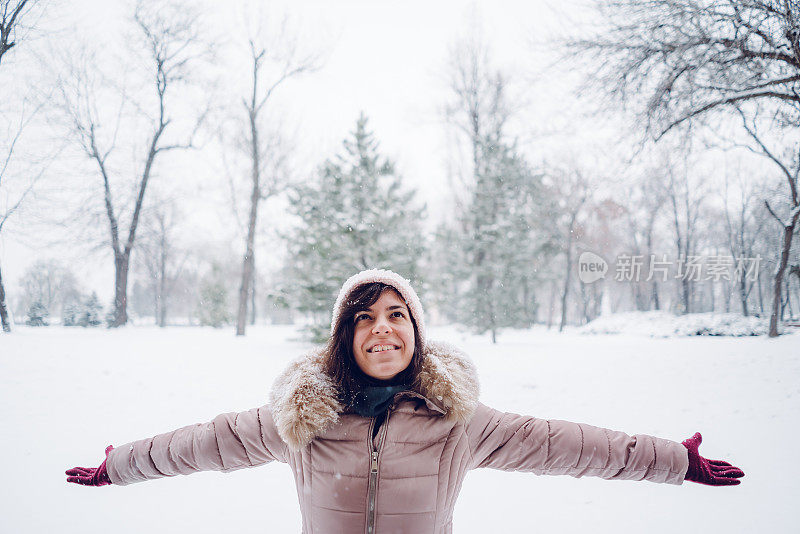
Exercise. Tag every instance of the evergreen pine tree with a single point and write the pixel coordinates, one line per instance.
(498, 243)
(354, 214)
(90, 315)
(110, 316)
(70, 314)
(213, 309)
(37, 314)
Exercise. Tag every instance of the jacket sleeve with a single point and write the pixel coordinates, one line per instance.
(551, 447)
(229, 442)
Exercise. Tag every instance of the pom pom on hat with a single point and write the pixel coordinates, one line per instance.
(389, 278)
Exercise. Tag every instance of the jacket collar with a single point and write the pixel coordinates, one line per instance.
(304, 400)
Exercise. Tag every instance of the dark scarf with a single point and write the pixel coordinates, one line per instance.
(375, 396)
(372, 401)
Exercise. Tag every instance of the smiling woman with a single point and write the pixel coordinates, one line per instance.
(383, 344)
(381, 426)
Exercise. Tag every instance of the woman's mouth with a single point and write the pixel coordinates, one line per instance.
(382, 348)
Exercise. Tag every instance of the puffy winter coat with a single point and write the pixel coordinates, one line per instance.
(407, 478)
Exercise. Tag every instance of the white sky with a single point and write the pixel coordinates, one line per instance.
(383, 58)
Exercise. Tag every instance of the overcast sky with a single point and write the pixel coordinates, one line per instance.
(383, 58)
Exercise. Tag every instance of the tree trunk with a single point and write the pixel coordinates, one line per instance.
(3, 309)
(247, 270)
(781, 315)
(248, 262)
(121, 262)
(155, 303)
(584, 304)
(797, 298)
(685, 294)
(565, 292)
(526, 309)
(727, 295)
(485, 285)
(795, 269)
(712, 293)
(788, 233)
(551, 307)
(654, 302)
(162, 292)
(743, 294)
(253, 299)
(654, 295)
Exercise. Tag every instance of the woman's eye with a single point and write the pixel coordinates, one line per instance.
(398, 314)
(363, 316)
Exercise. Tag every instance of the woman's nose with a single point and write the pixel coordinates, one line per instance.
(381, 327)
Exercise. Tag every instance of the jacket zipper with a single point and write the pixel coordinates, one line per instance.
(373, 472)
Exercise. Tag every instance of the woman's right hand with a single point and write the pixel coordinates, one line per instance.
(90, 476)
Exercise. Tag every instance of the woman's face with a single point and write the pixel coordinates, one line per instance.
(383, 343)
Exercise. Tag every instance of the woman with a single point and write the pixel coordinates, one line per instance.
(381, 426)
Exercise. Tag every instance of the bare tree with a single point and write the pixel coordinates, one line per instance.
(50, 283)
(685, 201)
(162, 259)
(644, 203)
(679, 62)
(273, 62)
(479, 105)
(173, 45)
(743, 228)
(489, 209)
(790, 168)
(12, 199)
(572, 193)
(6, 323)
(13, 17)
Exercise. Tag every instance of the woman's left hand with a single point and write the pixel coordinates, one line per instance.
(709, 472)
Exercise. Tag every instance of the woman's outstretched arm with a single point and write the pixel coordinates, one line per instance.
(551, 447)
(229, 442)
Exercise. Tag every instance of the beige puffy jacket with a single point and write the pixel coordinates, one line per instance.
(406, 479)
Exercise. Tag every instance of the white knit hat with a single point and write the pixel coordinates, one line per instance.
(387, 277)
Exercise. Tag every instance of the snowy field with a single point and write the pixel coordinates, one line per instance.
(67, 393)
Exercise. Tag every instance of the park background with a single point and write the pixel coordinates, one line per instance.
(185, 185)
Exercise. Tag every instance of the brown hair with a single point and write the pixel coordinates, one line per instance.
(339, 362)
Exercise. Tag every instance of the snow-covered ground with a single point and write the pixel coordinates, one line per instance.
(666, 324)
(67, 393)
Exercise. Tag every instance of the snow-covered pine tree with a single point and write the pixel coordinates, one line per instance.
(499, 243)
(354, 214)
(213, 309)
(37, 314)
(444, 269)
(70, 314)
(92, 309)
(495, 242)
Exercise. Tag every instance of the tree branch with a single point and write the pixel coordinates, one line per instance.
(6, 27)
(723, 101)
(112, 219)
(770, 155)
(769, 209)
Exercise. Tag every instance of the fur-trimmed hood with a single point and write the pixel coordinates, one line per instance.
(305, 401)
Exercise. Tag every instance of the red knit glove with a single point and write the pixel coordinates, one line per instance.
(90, 476)
(709, 472)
